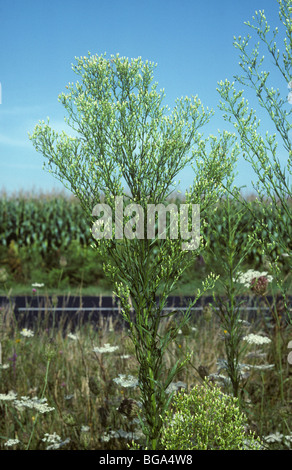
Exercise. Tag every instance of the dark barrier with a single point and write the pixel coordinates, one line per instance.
(105, 310)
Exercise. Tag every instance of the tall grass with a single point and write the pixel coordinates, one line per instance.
(87, 378)
(73, 388)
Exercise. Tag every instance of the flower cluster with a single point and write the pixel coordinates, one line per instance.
(10, 396)
(72, 336)
(55, 441)
(121, 434)
(127, 382)
(256, 339)
(255, 280)
(38, 404)
(27, 333)
(106, 348)
(11, 442)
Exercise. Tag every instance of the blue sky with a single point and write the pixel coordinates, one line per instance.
(190, 40)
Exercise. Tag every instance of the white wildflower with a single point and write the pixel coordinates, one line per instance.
(120, 433)
(4, 366)
(51, 438)
(174, 386)
(55, 441)
(256, 339)
(84, 428)
(27, 333)
(34, 403)
(106, 437)
(11, 442)
(10, 396)
(126, 382)
(72, 336)
(36, 284)
(106, 348)
(276, 437)
(262, 367)
(248, 276)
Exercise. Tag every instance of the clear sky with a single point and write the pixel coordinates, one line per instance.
(190, 40)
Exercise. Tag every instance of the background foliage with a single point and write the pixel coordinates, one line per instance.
(47, 237)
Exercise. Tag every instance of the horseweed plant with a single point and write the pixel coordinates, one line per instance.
(272, 186)
(123, 134)
(228, 308)
(274, 191)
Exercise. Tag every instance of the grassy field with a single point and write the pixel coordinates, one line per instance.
(77, 389)
(69, 390)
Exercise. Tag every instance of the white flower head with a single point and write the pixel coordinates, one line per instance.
(55, 441)
(106, 348)
(35, 403)
(10, 396)
(290, 84)
(72, 336)
(126, 381)
(247, 277)
(27, 333)
(36, 284)
(11, 442)
(276, 437)
(175, 386)
(51, 438)
(256, 339)
(289, 97)
(262, 367)
(85, 428)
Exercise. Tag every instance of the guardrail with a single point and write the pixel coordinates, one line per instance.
(103, 310)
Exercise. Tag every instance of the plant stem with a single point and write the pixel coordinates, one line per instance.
(42, 396)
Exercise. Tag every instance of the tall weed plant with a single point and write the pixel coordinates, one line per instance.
(124, 135)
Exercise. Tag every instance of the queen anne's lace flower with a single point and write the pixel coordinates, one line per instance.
(106, 348)
(35, 403)
(276, 437)
(11, 442)
(127, 382)
(256, 339)
(72, 336)
(247, 278)
(10, 396)
(55, 441)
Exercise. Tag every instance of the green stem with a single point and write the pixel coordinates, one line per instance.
(42, 396)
